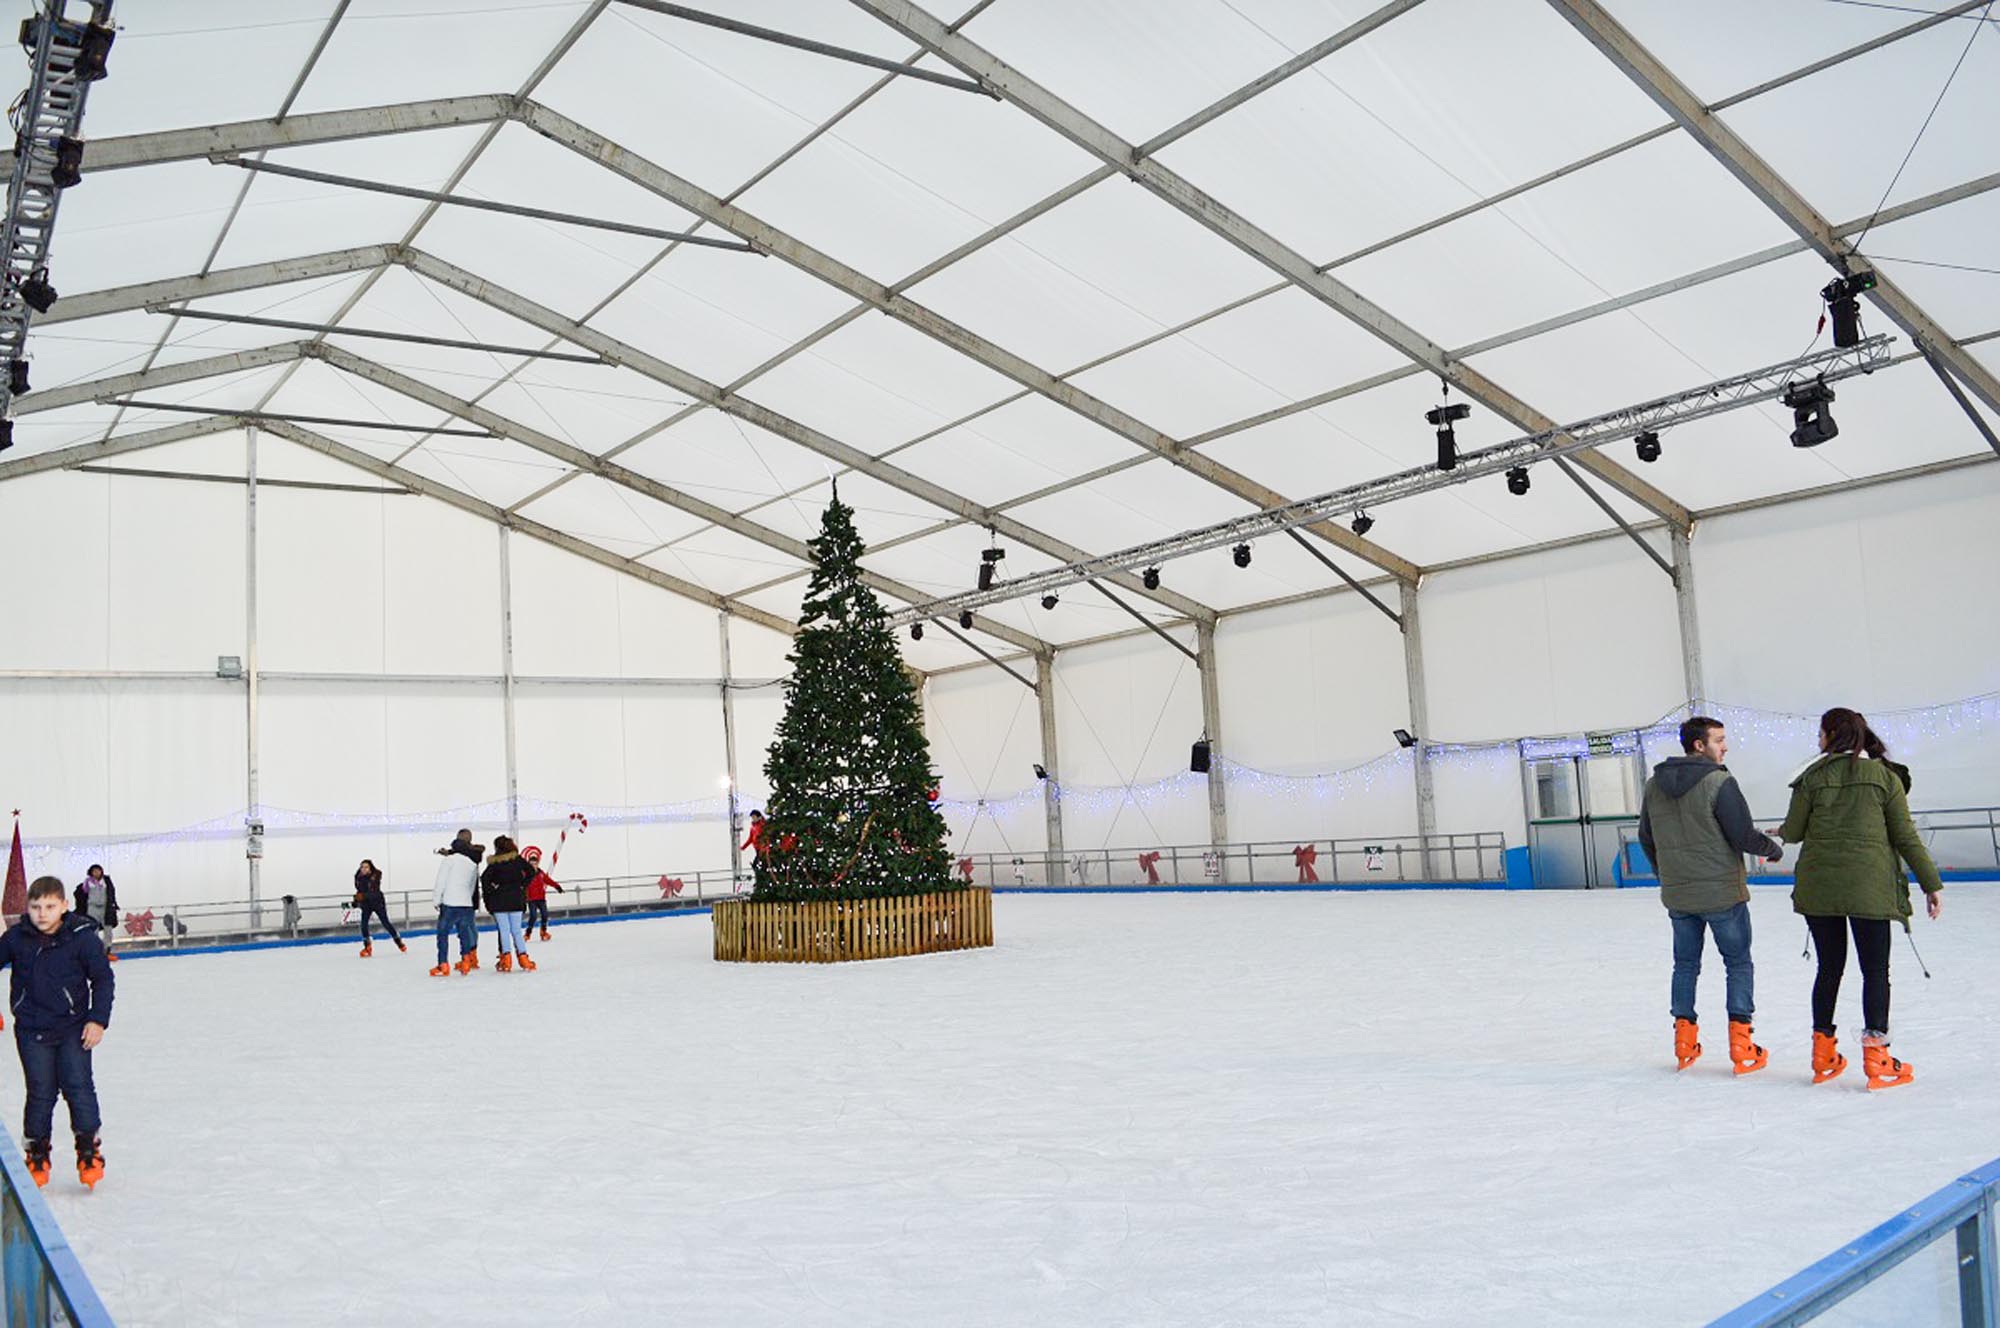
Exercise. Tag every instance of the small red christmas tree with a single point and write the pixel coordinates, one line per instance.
(14, 900)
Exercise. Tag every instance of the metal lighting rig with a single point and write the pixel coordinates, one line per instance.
(65, 57)
(1767, 384)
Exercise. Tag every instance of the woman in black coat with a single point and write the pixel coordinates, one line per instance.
(369, 899)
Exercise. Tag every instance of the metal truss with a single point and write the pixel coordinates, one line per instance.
(1556, 444)
(48, 132)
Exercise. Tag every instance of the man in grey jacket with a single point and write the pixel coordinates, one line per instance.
(1696, 827)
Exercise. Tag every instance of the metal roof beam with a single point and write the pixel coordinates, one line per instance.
(78, 454)
(701, 389)
(141, 295)
(613, 473)
(1737, 157)
(1210, 212)
(188, 371)
(659, 180)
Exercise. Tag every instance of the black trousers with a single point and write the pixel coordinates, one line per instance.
(1871, 946)
(380, 911)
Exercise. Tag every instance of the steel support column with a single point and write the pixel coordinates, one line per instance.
(1420, 719)
(1211, 726)
(253, 836)
(1045, 697)
(1691, 669)
(507, 685)
(729, 753)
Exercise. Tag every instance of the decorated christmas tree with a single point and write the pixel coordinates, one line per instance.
(850, 814)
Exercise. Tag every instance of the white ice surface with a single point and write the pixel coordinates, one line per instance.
(1270, 1109)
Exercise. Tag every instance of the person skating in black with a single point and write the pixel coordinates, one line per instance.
(368, 898)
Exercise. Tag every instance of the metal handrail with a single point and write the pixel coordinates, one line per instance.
(1930, 824)
(1467, 857)
(1964, 1209)
(43, 1276)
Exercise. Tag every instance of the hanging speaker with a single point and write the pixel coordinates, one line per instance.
(1198, 757)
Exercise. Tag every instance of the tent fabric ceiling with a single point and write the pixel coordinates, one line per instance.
(1102, 325)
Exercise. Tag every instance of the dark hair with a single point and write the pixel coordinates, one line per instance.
(757, 811)
(368, 868)
(93, 867)
(46, 886)
(1696, 729)
(1847, 731)
(502, 844)
(465, 835)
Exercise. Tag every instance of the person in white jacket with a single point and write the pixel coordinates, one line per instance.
(456, 898)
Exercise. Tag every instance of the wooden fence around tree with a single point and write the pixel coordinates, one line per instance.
(836, 930)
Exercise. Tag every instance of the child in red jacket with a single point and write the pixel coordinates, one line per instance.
(538, 891)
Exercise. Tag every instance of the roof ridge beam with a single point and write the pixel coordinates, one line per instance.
(1736, 156)
(650, 175)
(1058, 115)
(187, 371)
(612, 473)
(226, 281)
(763, 417)
(78, 454)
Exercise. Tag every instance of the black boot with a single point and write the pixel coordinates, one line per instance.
(89, 1160)
(38, 1161)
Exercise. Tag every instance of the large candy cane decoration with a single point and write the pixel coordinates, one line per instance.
(582, 824)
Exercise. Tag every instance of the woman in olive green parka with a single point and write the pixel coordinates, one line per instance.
(1851, 812)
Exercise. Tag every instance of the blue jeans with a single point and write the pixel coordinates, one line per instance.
(456, 919)
(1732, 937)
(59, 1065)
(510, 933)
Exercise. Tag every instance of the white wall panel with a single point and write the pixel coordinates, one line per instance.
(985, 733)
(320, 580)
(1126, 714)
(56, 618)
(442, 597)
(176, 588)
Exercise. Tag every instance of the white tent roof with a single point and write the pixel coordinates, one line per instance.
(969, 317)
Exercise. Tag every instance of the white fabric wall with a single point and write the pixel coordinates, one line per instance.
(1126, 713)
(985, 731)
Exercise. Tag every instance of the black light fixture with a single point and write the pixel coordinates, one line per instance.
(1517, 481)
(95, 50)
(1443, 417)
(1812, 422)
(916, 631)
(1150, 578)
(17, 377)
(1839, 295)
(1363, 523)
(1041, 771)
(38, 293)
(69, 162)
(1198, 757)
(965, 619)
(1405, 738)
(1241, 555)
(1647, 445)
(1049, 600)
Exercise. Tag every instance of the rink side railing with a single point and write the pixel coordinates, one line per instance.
(44, 1282)
(1467, 859)
(1957, 1285)
(1961, 839)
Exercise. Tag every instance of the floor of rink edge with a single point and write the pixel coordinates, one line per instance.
(1442, 1107)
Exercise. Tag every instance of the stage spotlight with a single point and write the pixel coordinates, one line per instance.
(1812, 422)
(1517, 481)
(986, 576)
(916, 631)
(69, 162)
(1846, 310)
(1442, 417)
(17, 377)
(1404, 738)
(1647, 445)
(987, 560)
(37, 292)
(965, 619)
(1241, 555)
(1150, 579)
(96, 49)
(1198, 757)
(1049, 601)
(1041, 771)
(1363, 523)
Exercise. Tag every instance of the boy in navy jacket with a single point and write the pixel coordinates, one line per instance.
(61, 1002)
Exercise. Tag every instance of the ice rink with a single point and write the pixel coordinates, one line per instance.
(1264, 1109)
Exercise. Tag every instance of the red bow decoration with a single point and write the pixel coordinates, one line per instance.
(965, 869)
(670, 886)
(1303, 857)
(139, 924)
(1149, 864)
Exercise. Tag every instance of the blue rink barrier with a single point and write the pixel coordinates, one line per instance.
(1963, 1213)
(44, 1282)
